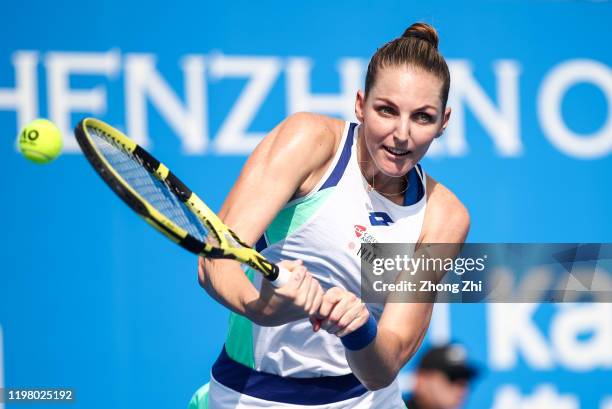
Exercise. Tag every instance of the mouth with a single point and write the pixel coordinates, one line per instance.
(396, 151)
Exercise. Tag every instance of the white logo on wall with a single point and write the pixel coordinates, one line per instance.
(513, 334)
(545, 396)
(187, 116)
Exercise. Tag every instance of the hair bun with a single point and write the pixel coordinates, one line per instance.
(422, 31)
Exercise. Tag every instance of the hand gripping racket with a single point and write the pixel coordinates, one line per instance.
(149, 188)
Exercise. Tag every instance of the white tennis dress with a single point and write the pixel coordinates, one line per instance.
(291, 366)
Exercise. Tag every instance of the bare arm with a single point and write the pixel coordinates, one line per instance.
(276, 170)
(402, 326)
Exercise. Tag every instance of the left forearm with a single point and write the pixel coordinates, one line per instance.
(378, 364)
(375, 351)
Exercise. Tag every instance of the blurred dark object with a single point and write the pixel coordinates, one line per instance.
(442, 379)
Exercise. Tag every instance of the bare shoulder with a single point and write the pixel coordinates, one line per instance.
(277, 170)
(313, 140)
(446, 217)
(309, 130)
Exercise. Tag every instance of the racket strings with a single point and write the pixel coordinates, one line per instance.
(153, 190)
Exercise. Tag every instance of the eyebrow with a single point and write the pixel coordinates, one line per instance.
(387, 101)
(427, 106)
(423, 107)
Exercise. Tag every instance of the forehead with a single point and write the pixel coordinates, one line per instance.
(407, 85)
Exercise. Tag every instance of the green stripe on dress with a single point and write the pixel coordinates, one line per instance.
(199, 400)
(239, 341)
(291, 218)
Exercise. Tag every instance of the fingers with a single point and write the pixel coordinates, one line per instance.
(314, 295)
(332, 323)
(361, 316)
(303, 292)
(304, 288)
(298, 274)
(315, 303)
(317, 300)
(291, 265)
(310, 296)
(342, 312)
(315, 322)
(337, 311)
(330, 299)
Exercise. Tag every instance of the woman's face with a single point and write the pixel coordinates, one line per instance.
(401, 117)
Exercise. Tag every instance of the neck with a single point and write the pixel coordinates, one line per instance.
(384, 184)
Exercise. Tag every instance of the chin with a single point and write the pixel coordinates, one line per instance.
(395, 168)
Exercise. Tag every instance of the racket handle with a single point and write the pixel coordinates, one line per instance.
(283, 277)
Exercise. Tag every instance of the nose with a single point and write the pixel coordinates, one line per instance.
(402, 132)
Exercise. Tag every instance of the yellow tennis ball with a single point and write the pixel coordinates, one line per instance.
(40, 141)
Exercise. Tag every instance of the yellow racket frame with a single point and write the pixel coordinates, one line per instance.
(229, 245)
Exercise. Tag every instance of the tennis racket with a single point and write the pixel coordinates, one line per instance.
(149, 188)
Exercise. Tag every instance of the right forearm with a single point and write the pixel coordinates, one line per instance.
(240, 299)
(225, 282)
(299, 298)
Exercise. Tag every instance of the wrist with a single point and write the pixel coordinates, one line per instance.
(263, 313)
(255, 308)
(362, 336)
(260, 313)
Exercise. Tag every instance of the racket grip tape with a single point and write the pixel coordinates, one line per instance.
(283, 277)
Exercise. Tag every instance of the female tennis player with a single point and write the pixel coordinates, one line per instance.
(312, 190)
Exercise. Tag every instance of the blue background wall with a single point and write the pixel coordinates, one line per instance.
(90, 299)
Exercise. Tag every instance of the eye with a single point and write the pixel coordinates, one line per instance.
(386, 110)
(424, 118)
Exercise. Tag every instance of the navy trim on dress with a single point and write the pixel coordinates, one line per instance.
(415, 190)
(338, 171)
(261, 243)
(298, 391)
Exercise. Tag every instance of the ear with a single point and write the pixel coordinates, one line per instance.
(447, 114)
(359, 105)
